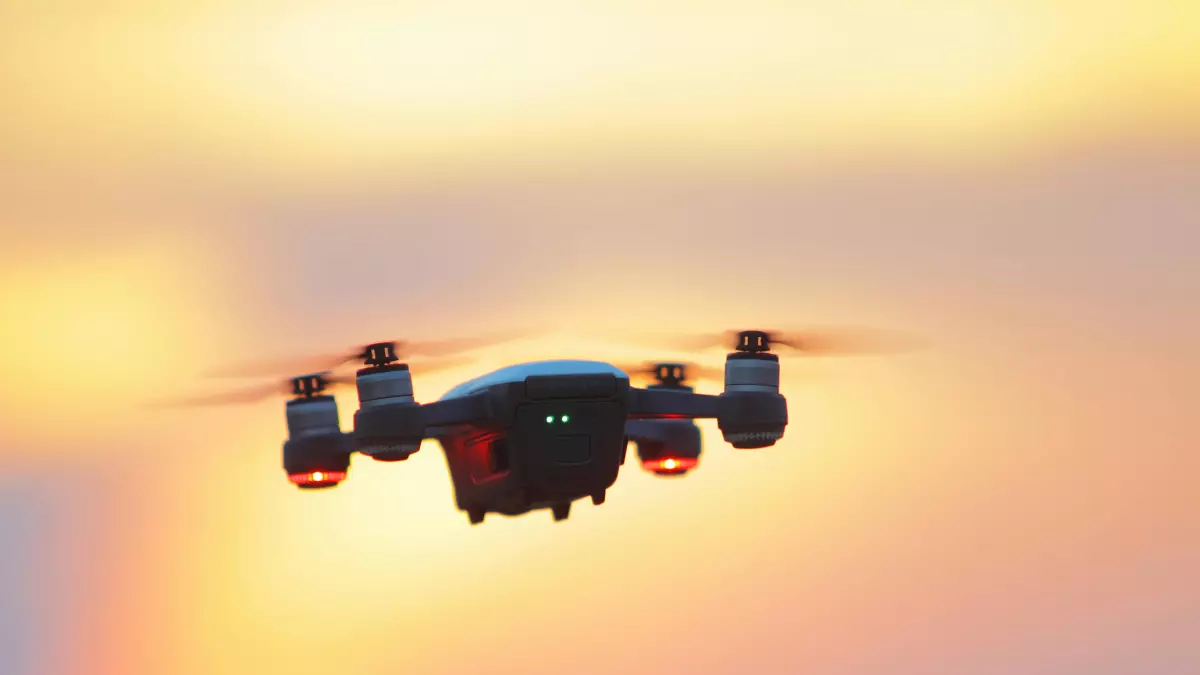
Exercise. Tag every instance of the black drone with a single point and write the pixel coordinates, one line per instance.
(536, 435)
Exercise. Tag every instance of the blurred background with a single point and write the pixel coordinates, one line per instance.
(185, 185)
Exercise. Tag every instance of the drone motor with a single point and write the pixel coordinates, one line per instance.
(384, 382)
(667, 447)
(314, 462)
(311, 411)
(752, 366)
(755, 413)
(671, 376)
(314, 456)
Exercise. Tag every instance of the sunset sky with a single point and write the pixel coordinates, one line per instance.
(1015, 181)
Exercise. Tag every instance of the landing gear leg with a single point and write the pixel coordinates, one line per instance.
(561, 511)
(475, 515)
(598, 498)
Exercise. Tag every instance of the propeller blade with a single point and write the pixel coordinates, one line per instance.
(275, 367)
(632, 369)
(829, 341)
(424, 367)
(336, 381)
(404, 350)
(238, 397)
(687, 343)
(698, 372)
(845, 341)
(436, 348)
(248, 395)
(692, 372)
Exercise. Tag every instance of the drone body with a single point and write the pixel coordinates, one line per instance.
(560, 437)
(537, 435)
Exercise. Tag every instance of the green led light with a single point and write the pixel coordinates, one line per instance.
(566, 418)
(549, 419)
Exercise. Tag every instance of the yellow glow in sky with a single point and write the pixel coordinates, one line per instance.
(83, 338)
(435, 81)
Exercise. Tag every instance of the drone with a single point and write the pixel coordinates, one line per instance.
(532, 436)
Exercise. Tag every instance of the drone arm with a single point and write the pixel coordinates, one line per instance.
(404, 425)
(451, 412)
(664, 404)
(642, 430)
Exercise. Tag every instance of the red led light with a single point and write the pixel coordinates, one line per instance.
(317, 478)
(671, 465)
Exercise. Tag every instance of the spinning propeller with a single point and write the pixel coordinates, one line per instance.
(300, 387)
(814, 342)
(673, 373)
(321, 378)
(373, 355)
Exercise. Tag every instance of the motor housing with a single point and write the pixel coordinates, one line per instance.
(752, 413)
(312, 415)
(316, 453)
(667, 447)
(385, 393)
